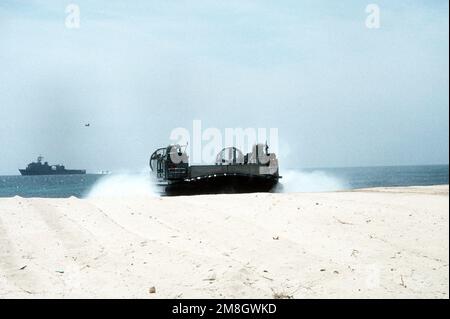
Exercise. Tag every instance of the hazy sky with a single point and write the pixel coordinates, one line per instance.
(339, 93)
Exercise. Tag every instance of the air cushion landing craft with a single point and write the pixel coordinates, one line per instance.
(232, 172)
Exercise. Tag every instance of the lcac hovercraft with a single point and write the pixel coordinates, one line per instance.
(232, 172)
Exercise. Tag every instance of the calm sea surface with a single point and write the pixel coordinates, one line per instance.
(356, 177)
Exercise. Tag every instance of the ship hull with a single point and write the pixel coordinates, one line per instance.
(221, 185)
(24, 172)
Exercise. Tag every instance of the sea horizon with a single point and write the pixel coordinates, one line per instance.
(293, 180)
(121, 171)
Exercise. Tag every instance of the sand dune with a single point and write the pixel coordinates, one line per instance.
(372, 243)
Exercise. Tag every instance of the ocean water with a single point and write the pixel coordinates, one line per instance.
(389, 176)
(323, 179)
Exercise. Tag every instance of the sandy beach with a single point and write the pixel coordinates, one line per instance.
(370, 243)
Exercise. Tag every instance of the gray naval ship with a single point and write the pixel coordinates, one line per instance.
(40, 168)
(232, 172)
